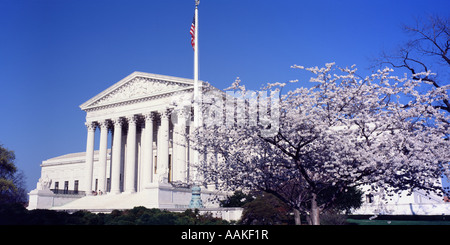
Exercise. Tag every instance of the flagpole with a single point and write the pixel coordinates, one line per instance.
(196, 83)
(197, 98)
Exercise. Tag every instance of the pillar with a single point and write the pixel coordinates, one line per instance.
(130, 167)
(163, 149)
(90, 156)
(116, 157)
(179, 146)
(103, 151)
(147, 158)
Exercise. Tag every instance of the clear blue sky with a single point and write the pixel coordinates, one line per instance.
(57, 54)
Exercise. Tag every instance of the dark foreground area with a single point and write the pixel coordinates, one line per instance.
(191, 227)
(16, 214)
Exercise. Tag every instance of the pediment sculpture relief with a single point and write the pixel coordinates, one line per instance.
(137, 88)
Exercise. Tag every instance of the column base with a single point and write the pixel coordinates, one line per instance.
(114, 193)
(129, 192)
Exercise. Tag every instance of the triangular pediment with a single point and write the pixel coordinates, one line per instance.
(137, 86)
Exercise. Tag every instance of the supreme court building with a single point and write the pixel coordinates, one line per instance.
(137, 152)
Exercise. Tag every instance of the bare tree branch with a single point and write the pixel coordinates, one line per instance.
(428, 38)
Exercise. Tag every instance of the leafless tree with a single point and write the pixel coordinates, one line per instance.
(426, 55)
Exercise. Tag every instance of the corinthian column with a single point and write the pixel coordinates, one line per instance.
(163, 149)
(102, 156)
(130, 168)
(89, 155)
(117, 144)
(147, 159)
(179, 148)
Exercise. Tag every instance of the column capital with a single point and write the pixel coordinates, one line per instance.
(149, 116)
(165, 113)
(103, 125)
(117, 121)
(184, 113)
(132, 119)
(91, 126)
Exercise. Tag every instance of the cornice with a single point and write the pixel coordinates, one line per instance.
(138, 100)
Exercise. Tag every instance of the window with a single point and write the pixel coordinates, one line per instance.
(56, 187)
(96, 184)
(66, 187)
(75, 187)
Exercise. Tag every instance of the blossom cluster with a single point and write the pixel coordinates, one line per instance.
(345, 131)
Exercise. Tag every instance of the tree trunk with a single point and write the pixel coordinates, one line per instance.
(315, 218)
(297, 218)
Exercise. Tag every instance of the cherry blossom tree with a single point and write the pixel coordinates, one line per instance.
(345, 131)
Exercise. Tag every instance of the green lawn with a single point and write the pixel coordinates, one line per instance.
(397, 222)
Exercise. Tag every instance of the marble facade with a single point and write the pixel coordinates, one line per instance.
(137, 152)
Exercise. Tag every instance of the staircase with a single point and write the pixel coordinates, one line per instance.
(107, 202)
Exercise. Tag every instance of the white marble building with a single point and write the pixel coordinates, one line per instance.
(404, 203)
(137, 153)
(137, 110)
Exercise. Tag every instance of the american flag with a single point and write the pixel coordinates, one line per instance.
(193, 33)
